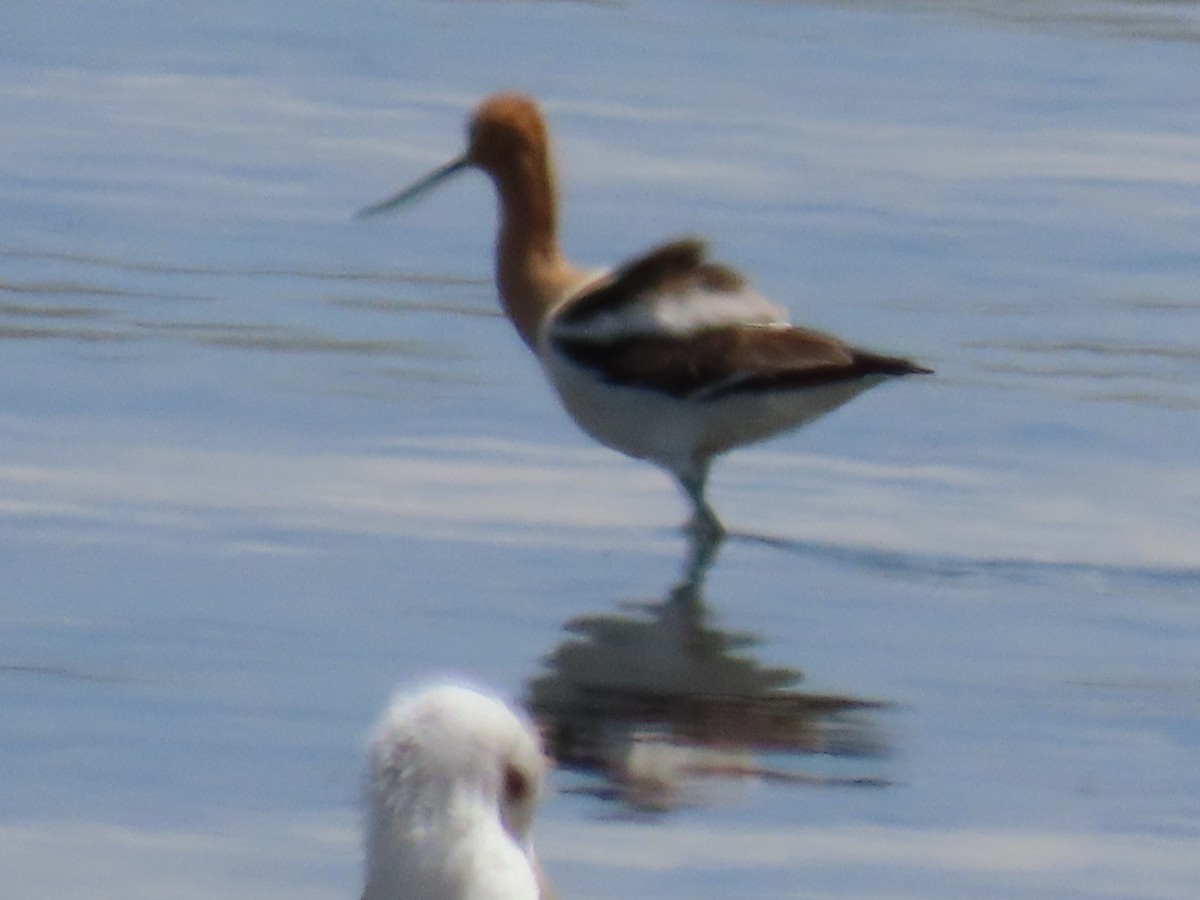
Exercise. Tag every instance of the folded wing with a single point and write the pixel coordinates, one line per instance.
(675, 323)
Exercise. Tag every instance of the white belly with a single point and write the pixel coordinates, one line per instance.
(679, 434)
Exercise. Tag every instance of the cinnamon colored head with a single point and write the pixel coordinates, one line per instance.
(504, 130)
(506, 136)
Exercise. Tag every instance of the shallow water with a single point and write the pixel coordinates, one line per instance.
(260, 463)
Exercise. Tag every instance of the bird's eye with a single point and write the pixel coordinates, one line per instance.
(516, 784)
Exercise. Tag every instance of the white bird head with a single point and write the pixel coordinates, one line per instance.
(453, 782)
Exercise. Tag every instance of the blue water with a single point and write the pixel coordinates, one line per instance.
(260, 463)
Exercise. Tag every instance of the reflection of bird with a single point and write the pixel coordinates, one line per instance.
(453, 782)
(658, 696)
(671, 357)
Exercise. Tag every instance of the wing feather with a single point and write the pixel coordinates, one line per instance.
(716, 363)
(673, 322)
(673, 289)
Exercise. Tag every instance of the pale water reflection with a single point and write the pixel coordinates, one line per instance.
(260, 464)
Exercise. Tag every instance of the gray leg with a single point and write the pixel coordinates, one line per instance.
(704, 522)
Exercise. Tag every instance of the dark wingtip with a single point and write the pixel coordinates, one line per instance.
(875, 364)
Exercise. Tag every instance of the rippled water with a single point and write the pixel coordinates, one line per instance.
(260, 463)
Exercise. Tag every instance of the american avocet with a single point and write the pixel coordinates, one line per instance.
(453, 780)
(670, 357)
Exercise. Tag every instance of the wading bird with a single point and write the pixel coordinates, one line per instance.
(670, 357)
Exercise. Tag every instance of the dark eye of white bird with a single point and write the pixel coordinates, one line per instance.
(516, 785)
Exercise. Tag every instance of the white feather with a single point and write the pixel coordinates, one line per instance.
(442, 823)
(672, 314)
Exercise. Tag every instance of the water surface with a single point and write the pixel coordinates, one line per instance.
(260, 463)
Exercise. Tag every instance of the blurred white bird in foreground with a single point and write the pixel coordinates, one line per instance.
(453, 782)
